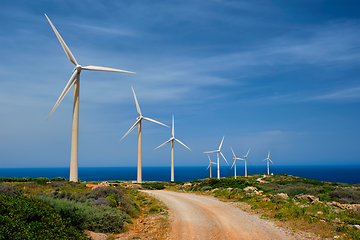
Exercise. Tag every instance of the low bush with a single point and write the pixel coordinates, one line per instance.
(25, 179)
(29, 218)
(229, 182)
(344, 196)
(57, 179)
(84, 216)
(8, 189)
(41, 180)
(112, 201)
(154, 185)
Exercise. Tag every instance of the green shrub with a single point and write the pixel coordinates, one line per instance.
(41, 180)
(57, 179)
(29, 218)
(4, 179)
(228, 182)
(25, 179)
(206, 188)
(112, 201)
(85, 216)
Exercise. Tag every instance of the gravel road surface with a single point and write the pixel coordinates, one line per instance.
(203, 217)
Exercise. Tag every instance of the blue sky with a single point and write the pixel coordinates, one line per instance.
(269, 75)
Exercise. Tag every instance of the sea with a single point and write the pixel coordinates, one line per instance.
(339, 173)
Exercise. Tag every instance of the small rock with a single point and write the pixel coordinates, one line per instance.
(320, 213)
(265, 199)
(337, 204)
(229, 189)
(250, 189)
(187, 185)
(356, 227)
(282, 196)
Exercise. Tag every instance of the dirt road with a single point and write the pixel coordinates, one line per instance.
(202, 217)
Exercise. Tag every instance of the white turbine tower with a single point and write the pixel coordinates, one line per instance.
(172, 139)
(75, 80)
(217, 153)
(138, 122)
(246, 160)
(268, 159)
(234, 164)
(210, 162)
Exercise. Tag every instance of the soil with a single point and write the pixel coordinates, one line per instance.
(203, 217)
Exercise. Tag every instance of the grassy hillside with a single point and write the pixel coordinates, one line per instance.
(58, 209)
(325, 208)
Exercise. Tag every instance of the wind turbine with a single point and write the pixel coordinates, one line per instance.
(217, 153)
(246, 160)
(138, 122)
(75, 80)
(172, 139)
(268, 159)
(210, 162)
(234, 164)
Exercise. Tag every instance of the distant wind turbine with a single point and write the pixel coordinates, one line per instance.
(210, 162)
(172, 139)
(217, 153)
(75, 80)
(234, 164)
(246, 160)
(268, 159)
(138, 122)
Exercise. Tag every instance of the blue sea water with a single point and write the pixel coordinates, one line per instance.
(346, 174)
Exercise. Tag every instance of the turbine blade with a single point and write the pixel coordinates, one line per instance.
(221, 143)
(63, 44)
(173, 131)
(208, 167)
(211, 151)
(269, 154)
(233, 164)
(233, 152)
(248, 152)
(65, 91)
(224, 158)
(213, 163)
(97, 68)
(209, 158)
(163, 144)
(182, 144)
(136, 102)
(133, 126)
(241, 159)
(271, 161)
(152, 120)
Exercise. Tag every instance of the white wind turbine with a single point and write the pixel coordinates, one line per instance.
(218, 151)
(246, 160)
(210, 162)
(234, 164)
(75, 80)
(268, 159)
(172, 139)
(138, 122)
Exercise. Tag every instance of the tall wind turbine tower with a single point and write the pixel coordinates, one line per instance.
(172, 139)
(268, 159)
(75, 80)
(217, 154)
(138, 122)
(246, 161)
(210, 162)
(234, 164)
